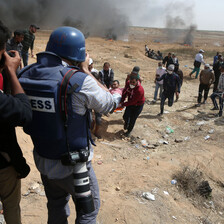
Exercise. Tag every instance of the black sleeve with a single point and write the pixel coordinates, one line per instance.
(161, 77)
(165, 60)
(101, 77)
(111, 77)
(15, 110)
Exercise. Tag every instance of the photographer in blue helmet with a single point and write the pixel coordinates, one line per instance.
(61, 92)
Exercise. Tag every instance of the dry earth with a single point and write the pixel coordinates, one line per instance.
(124, 168)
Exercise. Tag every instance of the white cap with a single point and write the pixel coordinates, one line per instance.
(201, 51)
(90, 61)
(171, 67)
(207, 65)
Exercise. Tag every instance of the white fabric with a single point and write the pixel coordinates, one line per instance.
(199, 58)
(160, 72)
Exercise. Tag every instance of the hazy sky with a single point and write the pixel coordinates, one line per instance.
(206, 14)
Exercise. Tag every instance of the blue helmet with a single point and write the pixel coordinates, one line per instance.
(67, 42)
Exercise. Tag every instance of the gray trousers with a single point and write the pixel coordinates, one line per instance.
(58, 193)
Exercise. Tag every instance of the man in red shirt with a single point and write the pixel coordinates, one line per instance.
(134, 93)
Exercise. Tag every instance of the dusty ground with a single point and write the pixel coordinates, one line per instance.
(125, 169)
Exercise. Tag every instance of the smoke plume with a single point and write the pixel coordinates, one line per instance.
(179, 18)
(93, 17)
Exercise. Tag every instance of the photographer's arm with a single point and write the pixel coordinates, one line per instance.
(11, 65)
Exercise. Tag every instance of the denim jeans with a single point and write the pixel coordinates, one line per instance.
(221, 101)
(160, 88)
(25, 56)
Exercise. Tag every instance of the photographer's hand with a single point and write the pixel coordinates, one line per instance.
(11, 65)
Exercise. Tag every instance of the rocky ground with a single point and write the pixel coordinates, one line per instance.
(128, 168)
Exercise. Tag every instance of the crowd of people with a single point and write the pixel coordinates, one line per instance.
(63, 90)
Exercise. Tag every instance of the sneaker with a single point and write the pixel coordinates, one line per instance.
(220, 113)
(215, 108)
(204, 102)
(198, 105)
(159, 114)
(127, 134)
(125, 126)
(153, 101)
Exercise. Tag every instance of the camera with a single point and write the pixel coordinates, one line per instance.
(83, 195)
(72, 158)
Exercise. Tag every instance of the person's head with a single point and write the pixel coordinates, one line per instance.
(207, 67)
(18, 36)
(106, 66)
(220, 58)
(115, 84)
(133, 81)
(169, 55)
(34, 28)
(217, 53)
(160, 64)
(135, 72)
(4, 36)
(170, 69)
(173, 55)
(68, 43)
(90, 64)
(201, 51)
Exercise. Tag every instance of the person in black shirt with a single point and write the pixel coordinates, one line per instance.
(28, 42)
(171, 81)
(217, 72)
(15, 110)
(107, 75)
(168, 60)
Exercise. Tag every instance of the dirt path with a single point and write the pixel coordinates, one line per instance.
(126, 168)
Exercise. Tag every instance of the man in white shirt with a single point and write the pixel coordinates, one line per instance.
(159, 84)
(197, 63)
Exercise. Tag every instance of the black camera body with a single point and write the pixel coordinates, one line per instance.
(72, 158)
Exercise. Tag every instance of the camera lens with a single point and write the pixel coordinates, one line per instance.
(83, 195)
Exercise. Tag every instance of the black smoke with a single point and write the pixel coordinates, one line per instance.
(93, 17)
(179, 27)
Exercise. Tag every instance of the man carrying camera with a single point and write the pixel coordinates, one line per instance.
(61, 91)
(15, 111)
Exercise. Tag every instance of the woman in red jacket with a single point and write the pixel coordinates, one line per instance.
(134, 93)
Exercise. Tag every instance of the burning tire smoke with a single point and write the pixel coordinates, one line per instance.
(92, 17)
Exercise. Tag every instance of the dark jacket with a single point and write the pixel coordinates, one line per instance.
(167, 61)
(170, 82)
(107, 77)
(14, 111)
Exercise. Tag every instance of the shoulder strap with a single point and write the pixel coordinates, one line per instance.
(64, 92)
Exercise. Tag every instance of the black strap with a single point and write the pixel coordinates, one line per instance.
(64, 92)
(63, 100)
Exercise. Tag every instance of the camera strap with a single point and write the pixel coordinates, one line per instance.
(63, 96)
(63, 99)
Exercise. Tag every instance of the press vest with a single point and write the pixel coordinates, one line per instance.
(41, 82)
